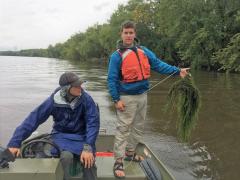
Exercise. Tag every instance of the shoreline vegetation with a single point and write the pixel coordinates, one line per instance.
(197, 33)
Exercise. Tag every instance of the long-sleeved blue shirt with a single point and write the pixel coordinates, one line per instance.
(72, 128)
(117, 87)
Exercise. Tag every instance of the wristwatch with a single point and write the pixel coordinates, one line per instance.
(87, 147)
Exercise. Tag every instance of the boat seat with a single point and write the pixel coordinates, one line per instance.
(33, 169)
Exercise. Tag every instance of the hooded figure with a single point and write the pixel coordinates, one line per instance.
(75, 124)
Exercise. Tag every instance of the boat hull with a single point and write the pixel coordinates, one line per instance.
(51, 169)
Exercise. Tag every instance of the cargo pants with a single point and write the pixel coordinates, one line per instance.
(130, 124)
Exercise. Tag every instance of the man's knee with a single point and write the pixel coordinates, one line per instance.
(123, 129)
(66, 156)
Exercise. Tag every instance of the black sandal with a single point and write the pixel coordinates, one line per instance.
(134, 157)
(118, 166)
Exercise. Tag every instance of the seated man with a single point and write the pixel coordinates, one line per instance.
(75, 128)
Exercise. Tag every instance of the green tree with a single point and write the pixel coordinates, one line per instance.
(229, 57)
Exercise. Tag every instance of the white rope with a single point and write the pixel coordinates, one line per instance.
(160, 82)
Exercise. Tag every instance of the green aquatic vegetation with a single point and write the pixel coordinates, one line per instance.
(185, 97)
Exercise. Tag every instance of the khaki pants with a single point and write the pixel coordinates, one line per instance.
(130, 123)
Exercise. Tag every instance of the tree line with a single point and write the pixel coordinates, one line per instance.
(203, 34)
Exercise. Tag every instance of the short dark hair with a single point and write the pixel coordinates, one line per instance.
(128, 24)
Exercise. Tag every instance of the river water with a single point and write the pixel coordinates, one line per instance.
(213, 151)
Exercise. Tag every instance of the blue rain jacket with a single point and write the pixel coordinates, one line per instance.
(117, 87)
(72, 127)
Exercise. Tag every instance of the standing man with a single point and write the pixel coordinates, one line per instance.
(75, 128)
(128, 74)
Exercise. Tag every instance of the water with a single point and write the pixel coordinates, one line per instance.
(213, 151)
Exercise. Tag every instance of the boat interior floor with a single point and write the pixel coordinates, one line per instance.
(132, 169)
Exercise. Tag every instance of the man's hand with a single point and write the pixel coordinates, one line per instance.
(15, 151)
(87, 159)
(120, 105)
(183, 72)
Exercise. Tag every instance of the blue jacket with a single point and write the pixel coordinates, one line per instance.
(72, 127)
(116, 87)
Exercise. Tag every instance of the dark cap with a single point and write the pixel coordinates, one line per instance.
(69, 78)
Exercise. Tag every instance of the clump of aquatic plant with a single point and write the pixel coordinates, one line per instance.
(185, 97)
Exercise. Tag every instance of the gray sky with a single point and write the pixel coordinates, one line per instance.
(26, 24)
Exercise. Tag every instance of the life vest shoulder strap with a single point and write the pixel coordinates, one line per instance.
(125, 52)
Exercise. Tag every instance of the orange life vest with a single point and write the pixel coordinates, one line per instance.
(135, 66)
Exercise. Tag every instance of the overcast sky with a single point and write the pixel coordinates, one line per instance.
(26, 24)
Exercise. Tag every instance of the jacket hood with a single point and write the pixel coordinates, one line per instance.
(61, 101)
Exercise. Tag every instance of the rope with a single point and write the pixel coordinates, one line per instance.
(160, 82)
